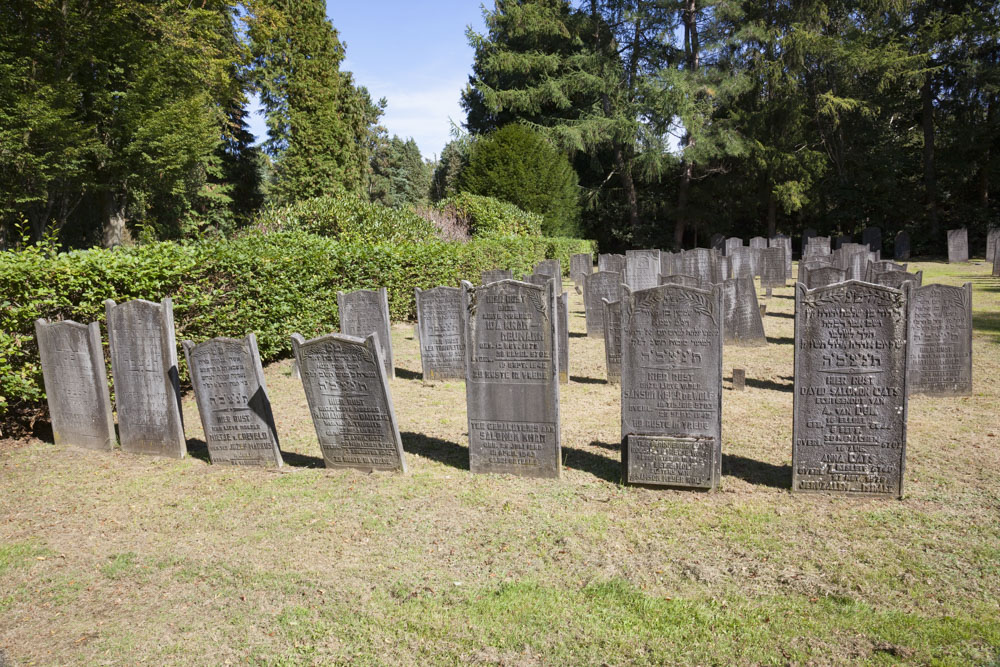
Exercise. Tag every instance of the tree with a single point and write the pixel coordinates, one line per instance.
(399, 176)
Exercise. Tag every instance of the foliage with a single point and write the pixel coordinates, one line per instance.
(448, 169)
(399, 176)
(488, 216)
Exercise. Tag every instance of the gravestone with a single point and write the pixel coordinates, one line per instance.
(717, 242)
(439, 332)
(698, 262)
(364, 312)
(551, 268)
(785, 242)
(493, 275)
(992, 238)
(895, 279)
(823, 276)
(681, 279)
(349, 400)
(757, 244)
(731, 244)
(672, 386)
(872, 237)
(840, 239)
(232, 400)
(743, 322)
(562, 328)
(580, 265)
(807, 234)
(612, 263)
(996, 263)
(941, 340)
(669, 261)
(147, 386)
(772, 267)
(817, 245)
(849, 405)
(642, 268)
(722, 269)
(598, 286)
(613, 340)
(741, 262)
(856, 261)
(812, 263)
(958, 245)
(511, 386)
(739, 379)
(538, 279)
(880, 265)
(901, 247)
(76, 383)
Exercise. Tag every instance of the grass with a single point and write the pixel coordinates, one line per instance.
(113, 558)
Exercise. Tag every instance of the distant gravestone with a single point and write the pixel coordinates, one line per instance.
(743, 323)
(741, 261)
(551, 268)
(232, 400)
(872, 237)
(439, 330)
(941, 340)
(958, 245)
(878, 266)
(992, 239)
(840, 239)
(642, 269)
(996, 263)
(700, 263)
(895, 279)
(722, 269)
(349, 400)
(364, 312)
(757, 245)
(901, 247)
(538, 279)
(147, 385)
(772, 267)
(731, 244)
(612, 263)
(849, 406)
(856, 262)
(823, 276)
(493, 275)
(739, 379)
(681, 279)
(811, 264)
(807, 234)
(512, 388)
(598, 286)
(718, 243)
(613, 340)
(580, 265)
(672, 386)
(76, 384)
(817, 245)
(785, 242)
(562, 328)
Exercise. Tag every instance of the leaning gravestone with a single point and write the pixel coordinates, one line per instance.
(76, 383)
(958, 245)
(349, 400)
(901, 247)
(992, 238)
(511, 386)
(672, 386)
(849, 406)
(872, 237)
(895, 279)
(552, 269)
(562, 328)
(941, 340)
(493, 275)
(681, 279)
(742, 321)
(642, 268)
(147, 386)
(598, 286)
(580, 265)
(232, 400)
(612, 263)
(364, 312)
(772, 267)
(439, 330)
(613, 340)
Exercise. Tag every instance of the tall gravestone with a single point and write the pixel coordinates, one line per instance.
(512, 384)
(642, 268)
(895, 279)
(232, 401)
(598, 286)
(350, 403)
(992, 238)
(562, 328)
(439, 330)
(493, 275)
(741, 261)
(872, 237)
(731, 244)
(551, 268)
(742, 321)
(772, 267)
(856, 262)
(722, 269)
(901, 247)
(757, 245)
(364, 312)
(785, 242)
(849, 406)
(613, 340)
(611, 262)
(823, 276)
(76, 383)
(958, 245)
(580, 265)
(941, 340)
(147, 386)
(671, 378)
(698, 262)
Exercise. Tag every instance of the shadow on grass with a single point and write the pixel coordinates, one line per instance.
(757, 472)
(407, 374)
(585, 380)
(787, 316)
(436, 449)
(988, 323)
(613, 446)
(577, 334)
(769, 385)
(610, 470)
(198, 449)
(780, 340)
(302, 460)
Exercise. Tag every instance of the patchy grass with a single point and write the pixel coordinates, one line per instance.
(113, 558)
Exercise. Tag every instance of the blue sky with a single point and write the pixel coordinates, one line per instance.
(415, 55)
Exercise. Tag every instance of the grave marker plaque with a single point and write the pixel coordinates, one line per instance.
(941, 340)
(364, 312)
(849, 406)
(772, 267)
(349, 400)
(742, 320)
(494, 275)
(598, 286)
(612, 263)
(901, 247)
(76, 383)
(642, 268)
(232, 401)
(147, 386)
(512, 388)
(439, 330)
(958, 245)
(613, 340)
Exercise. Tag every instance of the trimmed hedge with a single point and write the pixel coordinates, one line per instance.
(272, 284)
(489, 216)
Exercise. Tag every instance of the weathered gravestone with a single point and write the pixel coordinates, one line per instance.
(895, 279)
(941, 340)
(757, 244)
(232, 400)
(511, 386)
(697, 262)
(642, 268)
(731, 244)
(849, 406)
(494, 275)
(551, 268)
(855, 261)
(901, 247)
(613, 340)
(996, 263)
(992, 238)
(562, 329)
(807, 234)
(598, 286)
(580, 265)
(722, 269)
(811, 264)
(672, 386)
(872, 237)
(785, 242)
(772, 267)
(76, 383)
(717, 242)
(878, 266)
(439, 330)
(840, 239)
(741, 261)
(364, 312)
(742, 320)
(349, 400)
(823, 276)
(147, 386)
(538, 279)
(817, 245)
(668, 262)
(958, 245)
(681, 279)
(612, 263)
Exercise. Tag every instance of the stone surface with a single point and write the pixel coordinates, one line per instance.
(681, 279)
(896, 279)
(739, 379)
(718, 243)
(785, 242)
(232, 401)
(772, 267)
(76, 384)
(562, 331)
(941, 340)
(958, 245)
(493, 275)
(512, 388)
(741, 261)
(855, 260)
(812, 263)
(731, 244)
(439, 332)
(840, 239)
(538, 279)
(147, 387)
(757, 245)
(612, 263)
(598, 286)
(672, 386)
(849, 406)
(742, 321)
(364, 312)
(901, 247)
(551, 268)
(823, 276)
(722, 269)
(669, 261)
(642, 269)
(872, 237)
(697, 262)
(992, 239)
(613, 340)
(817, 245)
(881, 265)
(996, 263)
(349, 400)
(580, 265)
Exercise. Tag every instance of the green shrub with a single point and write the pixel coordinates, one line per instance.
(491, 217)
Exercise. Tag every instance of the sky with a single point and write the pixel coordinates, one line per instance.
(412, 53)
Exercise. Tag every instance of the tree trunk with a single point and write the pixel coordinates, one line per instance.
(930, 180)
(772, 214)
(625, 174)
(687, 167)
(682, 199)
(114, 220)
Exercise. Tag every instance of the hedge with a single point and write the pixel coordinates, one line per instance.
(271, 284)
